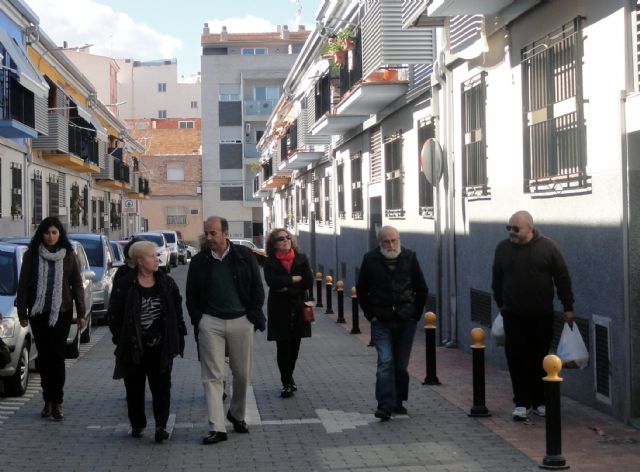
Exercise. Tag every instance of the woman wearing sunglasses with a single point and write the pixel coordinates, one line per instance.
(288, 274)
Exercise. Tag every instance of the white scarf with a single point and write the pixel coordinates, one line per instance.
(43, 274)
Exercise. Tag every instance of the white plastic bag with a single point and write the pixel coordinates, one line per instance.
(571, 348)
(497, 330)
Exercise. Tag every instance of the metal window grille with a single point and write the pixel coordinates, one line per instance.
(426, 130)
(75, 205)
(101, 214)
(54, 195)
(340, 170)
(602, 358)
(94, 215)
(302, 199)
(356, 186)
(393, 175)
(553, 111)
(327, 209)
(85, 206)
(315, 195)
(480, 307)
(376, 155)
(474, 154)
(176, 216)
(16, 190)
(37, 197)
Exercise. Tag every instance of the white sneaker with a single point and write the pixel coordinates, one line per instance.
(520, 413)
(540, 410)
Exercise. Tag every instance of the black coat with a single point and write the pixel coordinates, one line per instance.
(284, 308)
(124, 322)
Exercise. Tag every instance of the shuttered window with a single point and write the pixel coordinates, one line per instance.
(37, 197)
(393, 176)
(356, 186)
(16, 190)
(376, 155)
(54, 195)
(340, 169)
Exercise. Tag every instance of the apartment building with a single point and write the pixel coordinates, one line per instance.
(242, 76)
(62, 153)
(521, 105)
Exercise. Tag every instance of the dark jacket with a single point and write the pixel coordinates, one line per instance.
(524, 275)
(124, 322)
(284, 308)
(246, 277)
(72, 287)
(397, 295)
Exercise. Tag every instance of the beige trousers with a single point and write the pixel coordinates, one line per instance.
(214, 338)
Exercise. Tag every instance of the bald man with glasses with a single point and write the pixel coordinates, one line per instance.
(526, 267)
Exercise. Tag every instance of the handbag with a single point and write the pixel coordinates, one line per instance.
(571, 348)
(307, 312)
(5, 354)
(497, 330)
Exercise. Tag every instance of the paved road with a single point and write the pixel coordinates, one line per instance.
(327, 426)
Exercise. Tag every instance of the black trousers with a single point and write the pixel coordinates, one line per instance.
(287, 357)
(527, 342)
(159, 384)
(51, 342)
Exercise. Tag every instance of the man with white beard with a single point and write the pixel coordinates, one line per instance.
(392, 293)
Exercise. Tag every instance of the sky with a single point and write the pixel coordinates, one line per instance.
(149, 30)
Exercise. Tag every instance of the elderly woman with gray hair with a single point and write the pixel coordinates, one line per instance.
(145, 318)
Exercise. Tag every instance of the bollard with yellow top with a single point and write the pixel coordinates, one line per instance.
(355, 316)
(479, 408)
(553, 460)
(430, 344)
(328, 282)
(319, 289)
(340, 291)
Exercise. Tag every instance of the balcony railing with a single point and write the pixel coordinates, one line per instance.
(83, 144)
(16, 103)
(259, 107)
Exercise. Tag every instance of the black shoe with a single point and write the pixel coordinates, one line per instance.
(383, 414)
(238, 426)
(56, 412)
(161, 435)
(286, 392)
(294, 387)
(400, 410)
(214, 437)
(46, 411)
(137, 432)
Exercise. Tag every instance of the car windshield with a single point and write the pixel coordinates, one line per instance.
(93, 248)
(8, 271)
(170, 237)
(116, 249)
(154, 238)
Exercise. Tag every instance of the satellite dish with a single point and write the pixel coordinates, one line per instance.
(431, 160)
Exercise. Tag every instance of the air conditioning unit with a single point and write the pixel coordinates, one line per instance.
(199, 190)
(247, 129)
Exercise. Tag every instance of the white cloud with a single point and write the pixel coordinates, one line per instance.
(112, 33)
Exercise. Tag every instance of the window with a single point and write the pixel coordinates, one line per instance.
(101, 214)
(229, 92)
(16, 190)
(341, 213)
(267, 93)
(553, 111)
(474, 148)
(85, 205)
(393, 175)
(186, 124)
(356, 186)
(176, 216)
(327, 207)
(37, 197)
(426, 130)
(231, 194)
(194, 104)
(115, 215)
(254, 51)
(315, 196)
(375, 156)
(75, 205)
(54, 195)
(162, 87)
(94, 215)
(175, 172)
(162, 113)
(302, 203)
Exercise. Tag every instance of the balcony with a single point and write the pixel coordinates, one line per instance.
(276, 181)
(334, 125)
(259, 107)
(17, 114)
(300, 159)
(139, 189)
(327, 95)
(373, 95)
(115, 175)
(466, 7)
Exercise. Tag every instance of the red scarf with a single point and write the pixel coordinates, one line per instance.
(286, 258)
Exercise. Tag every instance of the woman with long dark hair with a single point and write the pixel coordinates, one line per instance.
(288, 274)
(145, 318)
(50, 282)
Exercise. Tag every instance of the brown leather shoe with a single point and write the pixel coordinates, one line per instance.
(46, 411)
(56, 412)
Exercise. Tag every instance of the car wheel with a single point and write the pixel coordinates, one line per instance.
(73, 349)
(85, 337)
(16, 385)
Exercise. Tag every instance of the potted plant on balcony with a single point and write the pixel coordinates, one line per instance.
(337, 51)
(347, 38)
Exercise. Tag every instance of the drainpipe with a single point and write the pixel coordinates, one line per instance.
(26, 206)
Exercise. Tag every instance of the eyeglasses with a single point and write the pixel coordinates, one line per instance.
(283, 238)
(513, 228)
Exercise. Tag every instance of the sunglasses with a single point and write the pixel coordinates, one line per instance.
(515, 229)
(283, 238)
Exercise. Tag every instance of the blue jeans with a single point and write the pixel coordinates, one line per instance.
(393, 340)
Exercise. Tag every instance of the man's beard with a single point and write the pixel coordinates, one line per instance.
(390, 253)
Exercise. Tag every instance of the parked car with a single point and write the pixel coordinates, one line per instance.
(101, 260)
(259, 253)
(183, 252)
(163, 250)
(118, 253)
(74, 338)
(191, 250)
(171, 238)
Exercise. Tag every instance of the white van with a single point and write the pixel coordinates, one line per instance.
(172, 243)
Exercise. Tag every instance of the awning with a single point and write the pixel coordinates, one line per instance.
(83, 113)
(101, 132)
(28, 75)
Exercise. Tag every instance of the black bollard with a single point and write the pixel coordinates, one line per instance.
(340, 290)
(319, 289)
(310, 294)
(329, 287)
(430, 345)
(355, 317)
(477, 350)
(553, 460)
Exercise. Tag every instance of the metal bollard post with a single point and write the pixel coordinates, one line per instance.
(328, 281)
(430, 345)
(319, 289)
(310, 294)
(553, 460)
(355, 317)
(477, 349)
(340, 290)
